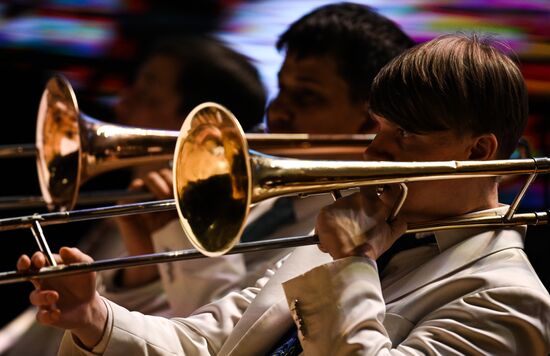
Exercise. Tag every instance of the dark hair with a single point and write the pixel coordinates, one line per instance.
(211, 71)
(360, 40)
(456, 82)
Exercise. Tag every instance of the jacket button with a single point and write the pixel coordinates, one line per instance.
(295, 311)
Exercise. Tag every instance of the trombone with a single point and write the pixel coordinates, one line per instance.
(212, 159)
(72, 147)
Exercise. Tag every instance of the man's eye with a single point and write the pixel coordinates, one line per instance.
(404, 133)
(307, 98)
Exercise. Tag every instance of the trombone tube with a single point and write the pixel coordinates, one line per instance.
(297, 179)
(22, 222)
(212, 160)
(276, 176)
(84, 198)
(72, 147)
(18, 151)
(535, 218)
(270, 142)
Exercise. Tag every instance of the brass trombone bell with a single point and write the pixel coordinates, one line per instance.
(72, 147)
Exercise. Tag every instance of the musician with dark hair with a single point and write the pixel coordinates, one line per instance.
(184, 71)
(179, 74)
(332, 54)
(331, 58)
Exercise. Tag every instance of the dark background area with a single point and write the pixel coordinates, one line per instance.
(98, 44)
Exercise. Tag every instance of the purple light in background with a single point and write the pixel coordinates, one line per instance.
(81, 38)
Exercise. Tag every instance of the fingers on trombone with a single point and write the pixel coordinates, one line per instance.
(167, 175)
(23, 263)
(48, 316)
(38, 260)
(156, 182)
(44, 298)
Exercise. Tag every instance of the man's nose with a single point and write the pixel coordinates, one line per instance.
(380, 149)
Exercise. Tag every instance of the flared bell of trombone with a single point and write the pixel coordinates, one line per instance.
(212, 179)
(72, 147)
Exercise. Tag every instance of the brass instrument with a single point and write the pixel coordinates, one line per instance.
(72, 147)
(212, 160)
(17, 151)
(84, 198)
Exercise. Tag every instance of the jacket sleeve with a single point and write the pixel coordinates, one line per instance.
(193, 283)
(149, 298)
(346, 295)
(202, 333)
(171, 295)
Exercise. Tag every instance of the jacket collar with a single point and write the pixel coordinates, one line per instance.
(457, 248)
(448, 238)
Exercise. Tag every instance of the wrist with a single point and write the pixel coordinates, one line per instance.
(365, 250)
(94, 323)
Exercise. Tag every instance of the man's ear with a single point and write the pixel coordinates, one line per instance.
(369, 125)
(484, 147)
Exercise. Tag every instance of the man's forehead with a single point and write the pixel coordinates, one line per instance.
(310, 69)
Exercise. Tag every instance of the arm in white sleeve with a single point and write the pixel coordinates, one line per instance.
(340, 310)
(194, 283)
(148, 299)
(203, 333)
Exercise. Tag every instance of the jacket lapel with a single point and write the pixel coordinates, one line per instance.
(268, 318)
(473, 246)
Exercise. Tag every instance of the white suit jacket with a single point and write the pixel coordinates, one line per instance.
(188, 285)
(476, 294)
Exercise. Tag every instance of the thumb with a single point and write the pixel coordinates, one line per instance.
(398, 227)
(73, 255)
